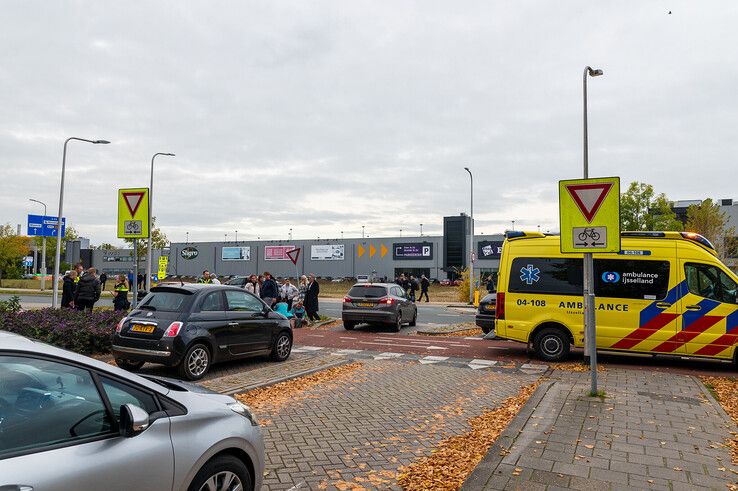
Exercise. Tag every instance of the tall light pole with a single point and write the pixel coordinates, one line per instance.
(59, 238)
(43, 245)
(400, 232)
(236, 236)
(421, 229)
(513, 225)
(341, 234)
(362, 231)
(225, 237)
(187, 237)
(149, 254)
(590, 336)
(471, 239)
(290, 238)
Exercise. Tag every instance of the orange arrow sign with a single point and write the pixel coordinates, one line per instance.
(383, 250)
(372, 250)
(360, 250)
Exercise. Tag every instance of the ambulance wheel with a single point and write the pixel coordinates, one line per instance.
(551, 344)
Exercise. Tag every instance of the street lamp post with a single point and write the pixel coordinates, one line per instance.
(471, 239)
(236, 236)
(362, 231)
(149, 254)
(421, 229)
(59, 238)
(43, 245)
(590, 336)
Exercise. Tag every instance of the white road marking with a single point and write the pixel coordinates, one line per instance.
(316, 335)
(429, 360)
(346, 337)
(436, 347)
(311, 348)
(343, 352)
(474, 338)
(392, 344)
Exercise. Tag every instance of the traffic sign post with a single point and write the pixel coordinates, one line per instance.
(589, 219)
(133, 223)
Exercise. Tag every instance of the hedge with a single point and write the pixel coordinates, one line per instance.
(87, 333)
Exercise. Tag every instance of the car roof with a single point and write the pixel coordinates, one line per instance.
(365, 284)
(16, 344)
(192, 287)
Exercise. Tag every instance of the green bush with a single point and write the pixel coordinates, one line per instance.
(87, 333)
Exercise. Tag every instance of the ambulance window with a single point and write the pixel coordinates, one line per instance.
(710, 282)
(554, 276)
(630, 278)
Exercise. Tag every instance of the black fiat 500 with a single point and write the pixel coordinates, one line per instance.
(193, 326)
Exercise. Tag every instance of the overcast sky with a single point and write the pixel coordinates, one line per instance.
(326, 116)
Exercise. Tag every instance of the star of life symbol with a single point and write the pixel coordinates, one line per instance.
(530, 274)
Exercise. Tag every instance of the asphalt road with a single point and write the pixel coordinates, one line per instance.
(383, 340)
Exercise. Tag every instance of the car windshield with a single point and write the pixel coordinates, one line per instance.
(165, 301)
(368, 291)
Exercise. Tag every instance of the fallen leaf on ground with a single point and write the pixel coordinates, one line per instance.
(726, 391)
(457, 456)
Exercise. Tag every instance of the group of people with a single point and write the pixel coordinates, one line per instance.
(82, 288)
(411, 285)
(299, 303)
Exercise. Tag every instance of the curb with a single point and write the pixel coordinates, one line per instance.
(487, 466)
(309, 371)
(713, 401)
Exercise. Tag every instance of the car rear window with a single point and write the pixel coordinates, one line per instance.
(165, 301)
(368, 291)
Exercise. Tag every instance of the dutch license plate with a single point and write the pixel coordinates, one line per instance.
(365, 304)
(142, 328)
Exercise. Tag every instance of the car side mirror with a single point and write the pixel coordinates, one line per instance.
(133, 420)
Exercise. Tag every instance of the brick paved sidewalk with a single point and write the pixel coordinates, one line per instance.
(357, 433)
(651, 431)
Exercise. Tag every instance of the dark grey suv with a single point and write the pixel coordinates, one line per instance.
(378, 303)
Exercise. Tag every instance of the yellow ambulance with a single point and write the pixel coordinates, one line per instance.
(663, 293)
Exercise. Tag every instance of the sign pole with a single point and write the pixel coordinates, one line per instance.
(43, 262)
(134, 286)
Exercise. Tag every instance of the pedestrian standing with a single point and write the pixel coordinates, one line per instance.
(131, 277)
(68, 288)
(214, 279)
(269, 290)
(424, 284)
(302, 287)
(289, 292)
(311, 299)
(88, 291)
(205, 278)
(120, 294)
(80, 272)
(103, 279)
(413, 287)
(140, 279)
(252, 286)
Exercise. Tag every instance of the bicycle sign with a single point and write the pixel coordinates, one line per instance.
(588, 237)
(589, 215)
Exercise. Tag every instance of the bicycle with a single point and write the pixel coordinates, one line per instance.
(589, 232)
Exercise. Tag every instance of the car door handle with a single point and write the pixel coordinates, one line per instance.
(232, 324)
(693, 307)
(663, 305)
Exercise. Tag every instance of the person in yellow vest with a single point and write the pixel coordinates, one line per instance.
(205, 277)
(120, 293)
(80, 271)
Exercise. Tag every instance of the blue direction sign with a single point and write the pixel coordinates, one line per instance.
(44, 226)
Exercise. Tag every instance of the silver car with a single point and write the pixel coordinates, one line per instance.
(378, 303)
(70, 422)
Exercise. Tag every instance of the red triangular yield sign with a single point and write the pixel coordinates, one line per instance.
(589, 197)
(133, 201)
(293, 255)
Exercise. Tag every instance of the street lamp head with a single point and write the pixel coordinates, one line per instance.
(100, 142)
(594, 72)
(169, 154)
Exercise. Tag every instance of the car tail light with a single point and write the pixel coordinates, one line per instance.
(386, 300)
(347, 300)
(500, 306)
(173, 329)
(119, 326)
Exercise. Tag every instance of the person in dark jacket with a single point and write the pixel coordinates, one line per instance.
(103, 280)
(88, 291)
(311, 299)
(424, 284)
(68, 288)
(269, 290)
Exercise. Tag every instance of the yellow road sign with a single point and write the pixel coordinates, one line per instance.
(163, 263)
(589, 215)
(133, 213)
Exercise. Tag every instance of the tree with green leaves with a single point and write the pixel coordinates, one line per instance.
(158, 241)
(106, 246)
(708, 220)
(642, 209)
(12, 250)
